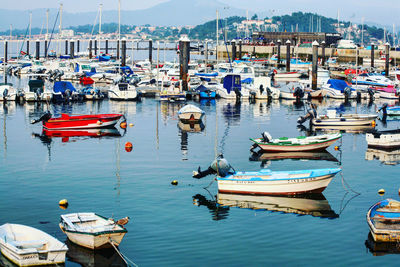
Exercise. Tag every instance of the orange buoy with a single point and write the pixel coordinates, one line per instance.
(336, 148)
(128, 147)
(63, 203)
(123, 125)
(373, 123)
(130, 124)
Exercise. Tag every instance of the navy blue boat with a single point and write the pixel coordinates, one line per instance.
(205, 93)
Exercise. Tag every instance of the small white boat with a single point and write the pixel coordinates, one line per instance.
(263, 89)
(300, 143)
(91, 230)
(190, 113)
(123, 91)
(384, 139)
(383, 220)
(267, 182)
(28, 246)
(7, 92)
(36, 91)
(232, 88)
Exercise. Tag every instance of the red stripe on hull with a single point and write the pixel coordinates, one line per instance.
(319, 190)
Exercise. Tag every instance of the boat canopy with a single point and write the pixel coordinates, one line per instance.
(338, 84)
(62, 86)
(36, 85)
(212, 74)
(232, 83)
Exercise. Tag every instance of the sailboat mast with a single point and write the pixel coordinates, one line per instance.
(119, 19)
(47, 23)
(100, 11)
(216, 47)
(30, 26)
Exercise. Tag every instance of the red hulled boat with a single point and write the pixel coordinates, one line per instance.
(67, 121)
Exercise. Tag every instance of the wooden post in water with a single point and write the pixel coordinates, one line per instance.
(90, 49)
(78, 46)
(387, 49)
(288, 55)
(314, 65)
(118, 48)
(5, 53)
(184, 57)
(151, 51)
(106, 46)
(233, 44)
(45, 48)
(66, 47)
(323, 53)
(372, 54)
(27, 47)
(279, 52)
(95, 47)
(240, 48)
(206, 52)
(72, 49)
(123, 60)
(37, 49)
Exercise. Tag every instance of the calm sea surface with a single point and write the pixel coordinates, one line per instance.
(187, 225)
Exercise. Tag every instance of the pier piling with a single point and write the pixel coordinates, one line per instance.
(66, 47)
(118, 52)
(72, 49)
(279, 51)
(123, 60)
(372, 55)
(90, 49)
(184, 57)
(95, 47)
(37, 49)
(5, 53)
(151, 51)
(314, 65)
(106, 46)
(233, 44)
(240, 49)
(288, 55)
(387, 48)
(45, 48)
(78, 46)
(323, 44)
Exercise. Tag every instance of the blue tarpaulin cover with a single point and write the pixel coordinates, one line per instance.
(338, 84)
(62, 86)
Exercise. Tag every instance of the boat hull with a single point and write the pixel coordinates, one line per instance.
(386, 141)
(383, 224)
(82, 122)
(95, 241)
(349, 120)
(297, 184)
(297, 148)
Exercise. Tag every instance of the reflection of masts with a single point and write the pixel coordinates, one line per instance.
(216, 125)
(157, 136)
(4, 133)
(118, 170)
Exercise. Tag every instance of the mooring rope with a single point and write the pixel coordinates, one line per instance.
(345, 184)
(123, 257)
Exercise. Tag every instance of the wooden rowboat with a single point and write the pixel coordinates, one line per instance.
(383, 219)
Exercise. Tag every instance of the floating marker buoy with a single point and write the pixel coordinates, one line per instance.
(336, 148)
(63, 203)
(174, 182)
(381, 191)
(128, 147)
(123, 125)
(99, 122)
(130, 124)
(373, 123)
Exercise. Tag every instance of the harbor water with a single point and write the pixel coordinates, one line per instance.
(191, 224)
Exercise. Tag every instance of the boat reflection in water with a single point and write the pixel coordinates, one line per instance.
(217, 212)
(387, 157)
(74, 135)
(311, 204)
(89, 258)
(381, 248)
(305, 155)
(191, 127)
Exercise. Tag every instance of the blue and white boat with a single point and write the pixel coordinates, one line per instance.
(338, 89)
(393, 110)
(372, 79)
(267, 182)
(205, 93)
(64, 92)
(383, 219)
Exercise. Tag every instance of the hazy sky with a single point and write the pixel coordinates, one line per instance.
(378, 11)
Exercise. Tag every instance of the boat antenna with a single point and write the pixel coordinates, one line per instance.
(51, 35)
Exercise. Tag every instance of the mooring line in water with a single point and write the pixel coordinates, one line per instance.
(212, 181)
(123, 257)
(345, 184)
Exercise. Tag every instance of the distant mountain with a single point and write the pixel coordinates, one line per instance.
(171, 13)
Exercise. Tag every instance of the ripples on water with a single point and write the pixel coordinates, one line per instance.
(186, 225)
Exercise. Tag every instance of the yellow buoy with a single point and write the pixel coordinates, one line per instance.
(381, 191)
(63, 203)
(123, 125)
(336, 148)
(174, 182)
(373, 123)
(130, 124)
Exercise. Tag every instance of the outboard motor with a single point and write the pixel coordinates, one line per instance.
(219, 166)
(269, 92)
(358, 96)
(371, 94)
(5, 93)
(261, 89)
(67, 95)
(266, 137)
(383, 108)
(238, 95)
(298, 93)
(311, 114)
(347, 93)
(45, 117)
